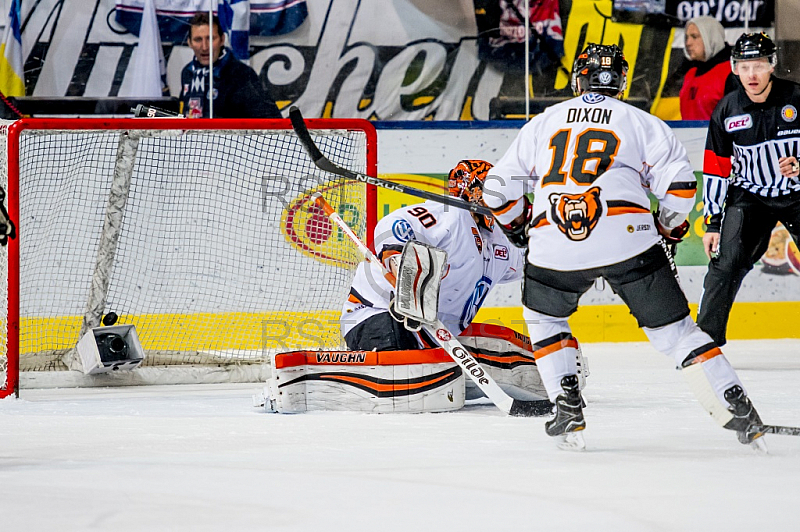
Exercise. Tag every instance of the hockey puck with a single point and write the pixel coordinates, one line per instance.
(110, 319)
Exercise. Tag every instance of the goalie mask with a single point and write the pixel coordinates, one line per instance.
(601, 68)
(466, 182)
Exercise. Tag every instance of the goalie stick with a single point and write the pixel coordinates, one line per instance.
(445, 338)
(323, 163)
(774, 429)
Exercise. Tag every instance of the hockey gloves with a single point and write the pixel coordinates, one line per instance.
(409, 323)
(517, 230)
(673, 236)
(419, 278)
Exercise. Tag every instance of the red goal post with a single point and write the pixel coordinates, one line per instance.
(201, 233)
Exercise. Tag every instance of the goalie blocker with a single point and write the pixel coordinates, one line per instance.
(424, 380)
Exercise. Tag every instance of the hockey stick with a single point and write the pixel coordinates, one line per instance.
(774, 429)
(323, 163)
(445, 338)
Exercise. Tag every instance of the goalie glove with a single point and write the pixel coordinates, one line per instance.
(517, 229)
(409, 323)
(419, 277)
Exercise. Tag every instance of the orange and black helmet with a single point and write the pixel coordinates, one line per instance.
(466, 182)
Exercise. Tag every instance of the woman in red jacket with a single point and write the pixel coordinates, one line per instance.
(709, 76)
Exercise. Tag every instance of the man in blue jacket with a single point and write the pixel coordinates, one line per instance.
(237, 90)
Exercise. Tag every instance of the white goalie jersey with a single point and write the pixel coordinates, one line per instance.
(590, 162)
(477, 260)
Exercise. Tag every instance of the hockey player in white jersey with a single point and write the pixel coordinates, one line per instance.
(590, 162)
(479, 257)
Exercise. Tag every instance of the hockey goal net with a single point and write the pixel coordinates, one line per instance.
(206, 240)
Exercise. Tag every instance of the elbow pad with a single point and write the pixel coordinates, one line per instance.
(517, 229)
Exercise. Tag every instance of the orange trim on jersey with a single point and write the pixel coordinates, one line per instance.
(541, 223)
(688, 193)
(504, 209)
(361, 358)
(715, 165)
(353, 299)
(613, 211)
(708, 355)
(558, 345)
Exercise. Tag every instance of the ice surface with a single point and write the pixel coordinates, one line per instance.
(200, 457)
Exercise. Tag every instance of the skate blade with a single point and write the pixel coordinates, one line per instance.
(759, 445)
(571, 441)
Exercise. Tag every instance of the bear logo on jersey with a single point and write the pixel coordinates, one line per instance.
(576, 214)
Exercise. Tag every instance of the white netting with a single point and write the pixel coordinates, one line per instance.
(221, 258)
(4, 269)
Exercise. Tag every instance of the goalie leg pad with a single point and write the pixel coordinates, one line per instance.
(507, 357)
(366, 381)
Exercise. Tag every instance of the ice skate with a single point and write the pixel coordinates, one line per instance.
(568, 421)
(744, 416)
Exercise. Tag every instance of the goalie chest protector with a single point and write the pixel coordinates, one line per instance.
(365, 381)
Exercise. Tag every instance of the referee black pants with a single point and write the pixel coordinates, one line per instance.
(747, 225)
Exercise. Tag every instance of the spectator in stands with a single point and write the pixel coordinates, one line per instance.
(709, 76)
(237, 90)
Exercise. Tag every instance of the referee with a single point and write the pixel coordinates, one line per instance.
(750, 173)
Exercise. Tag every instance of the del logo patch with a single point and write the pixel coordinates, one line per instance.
(501, 252)
(735, 123)
(789, 113)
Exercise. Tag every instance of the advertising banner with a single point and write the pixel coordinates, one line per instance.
(381, 60)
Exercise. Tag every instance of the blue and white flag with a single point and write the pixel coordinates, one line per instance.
(148, 70)
(234, 17)
(239, 18)
(276, 17)
(12, 75)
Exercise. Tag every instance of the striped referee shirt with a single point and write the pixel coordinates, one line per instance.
(744, 143)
